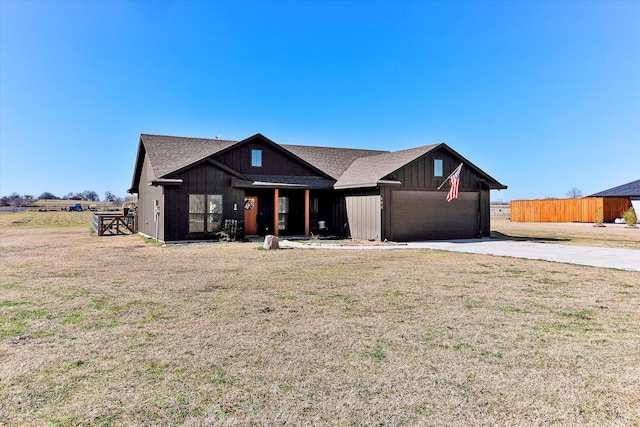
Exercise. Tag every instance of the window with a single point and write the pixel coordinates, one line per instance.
(437, 167)
(313, 212)
(256, 158)
(283, 213)
(205, 213)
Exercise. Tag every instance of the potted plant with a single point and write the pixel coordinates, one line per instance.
(630, 218)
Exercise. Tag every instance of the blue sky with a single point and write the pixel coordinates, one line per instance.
(542, 95)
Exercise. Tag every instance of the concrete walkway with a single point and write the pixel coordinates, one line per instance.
(624, 259)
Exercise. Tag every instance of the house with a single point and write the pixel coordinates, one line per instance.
(604, 206)
(187, 187)
(629, 191)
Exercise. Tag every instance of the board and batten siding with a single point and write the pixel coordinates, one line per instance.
(274, 161)
(364, 217)
(418, 174)
(208, 179)
(568, 210)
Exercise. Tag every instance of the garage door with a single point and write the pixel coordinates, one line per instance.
(426, 215)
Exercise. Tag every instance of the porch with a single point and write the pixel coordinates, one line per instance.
(287, 206)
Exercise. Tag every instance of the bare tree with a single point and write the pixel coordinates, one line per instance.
(90, 196)
(574, 193)
(47, 195)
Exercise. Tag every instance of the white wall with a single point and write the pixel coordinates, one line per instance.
(636, 207)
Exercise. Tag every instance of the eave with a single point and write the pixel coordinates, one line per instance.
(316, 183)
(378, 183)
(165, 181)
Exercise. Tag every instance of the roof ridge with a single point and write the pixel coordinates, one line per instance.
(187, 137)
(333, 148)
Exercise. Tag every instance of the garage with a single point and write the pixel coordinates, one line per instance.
(426, 215)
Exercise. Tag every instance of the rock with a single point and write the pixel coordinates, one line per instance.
(271, 242)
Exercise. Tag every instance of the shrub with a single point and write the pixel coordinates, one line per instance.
(630, 216)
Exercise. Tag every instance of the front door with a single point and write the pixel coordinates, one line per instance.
(250, 215)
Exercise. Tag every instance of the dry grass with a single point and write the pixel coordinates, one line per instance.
(612, 235)
(45, 219)
(118, 331)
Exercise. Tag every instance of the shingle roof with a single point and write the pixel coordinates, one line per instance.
(630, 189)
(332, 161)
(351, 168)
(368, 171)
(170, 153)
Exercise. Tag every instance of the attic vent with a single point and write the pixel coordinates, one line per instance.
(217, 136)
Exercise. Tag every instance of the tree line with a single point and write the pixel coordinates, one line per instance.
(15, 199)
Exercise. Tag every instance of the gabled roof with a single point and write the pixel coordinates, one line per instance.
(370, 170)
(278, 147)
(630, 189)
(332, 161)
(169, 153)
(350, 168)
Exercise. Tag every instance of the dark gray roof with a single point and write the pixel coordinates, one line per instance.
(369, 171)
(330, 160)
(630, 189)
(168, 154)
(350, 168)
(171, 153)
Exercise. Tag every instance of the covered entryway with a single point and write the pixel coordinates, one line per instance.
(285, 205)
(426, 215)
(276, 211)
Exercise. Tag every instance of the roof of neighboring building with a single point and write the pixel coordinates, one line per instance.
(630, 189)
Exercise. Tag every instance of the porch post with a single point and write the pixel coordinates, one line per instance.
(276, 194)
(306, 212)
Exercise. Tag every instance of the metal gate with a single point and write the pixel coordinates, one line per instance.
(363, 213)
(426, 215)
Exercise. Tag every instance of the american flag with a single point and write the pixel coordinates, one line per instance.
(454, 180)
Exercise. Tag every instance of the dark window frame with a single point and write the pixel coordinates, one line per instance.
(205, 213)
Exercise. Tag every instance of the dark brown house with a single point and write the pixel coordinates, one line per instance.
(187, 187)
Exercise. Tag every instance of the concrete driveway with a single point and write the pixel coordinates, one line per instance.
(624, 259)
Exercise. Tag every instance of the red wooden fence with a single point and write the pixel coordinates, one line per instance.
(568, 210)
